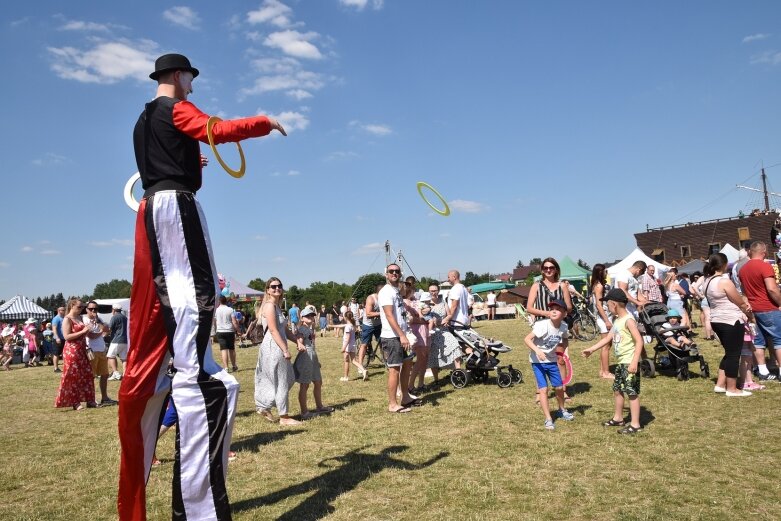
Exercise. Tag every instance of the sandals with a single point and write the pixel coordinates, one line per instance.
(401, 410)
(267, 416)
(613, 423)
(417, 402)
(324, 410)
(629, 430)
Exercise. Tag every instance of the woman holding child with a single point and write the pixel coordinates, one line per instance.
(419, 327)
(274, 375)
(726, 315)
(78, 383)
(443, 346)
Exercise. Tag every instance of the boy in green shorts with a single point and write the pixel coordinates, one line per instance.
(627, 346)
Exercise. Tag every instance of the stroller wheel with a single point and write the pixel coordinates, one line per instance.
(504, 380)
(459, 378)
(647, 368)
(683, 371)
(516, 376)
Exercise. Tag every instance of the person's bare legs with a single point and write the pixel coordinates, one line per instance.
(302, 390)
(542, 393)
(618, 413)
(224, 355)
(634, 411)
(318, 392)
(393, 384)
(233, 358)
(362, 353)
(604, 362)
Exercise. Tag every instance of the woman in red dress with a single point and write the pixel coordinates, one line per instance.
(78, 382)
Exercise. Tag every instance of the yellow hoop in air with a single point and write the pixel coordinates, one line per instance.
(446, 210)
(235, 173)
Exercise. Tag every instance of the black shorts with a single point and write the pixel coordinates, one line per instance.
(392, 351)
(493, 306)
(57, 348)
(226, 340)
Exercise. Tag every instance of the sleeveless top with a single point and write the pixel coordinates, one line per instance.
(374, 321)
(544, 296)
(722, 310)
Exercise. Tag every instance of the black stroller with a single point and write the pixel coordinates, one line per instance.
(480, 359)
(667, 356)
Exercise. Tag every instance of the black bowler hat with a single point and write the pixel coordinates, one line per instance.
(172, 62)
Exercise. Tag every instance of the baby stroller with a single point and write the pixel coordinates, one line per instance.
(480, 359)
(653, 316)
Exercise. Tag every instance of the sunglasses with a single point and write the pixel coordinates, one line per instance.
(275, 286)
(394, 272)
(549, 268)
(92, 309)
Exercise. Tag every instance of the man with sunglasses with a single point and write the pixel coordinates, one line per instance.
(393, 340)
(98, 346)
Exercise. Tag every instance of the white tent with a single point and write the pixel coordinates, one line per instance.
(20, 308)
(732, 254)
(636, 255)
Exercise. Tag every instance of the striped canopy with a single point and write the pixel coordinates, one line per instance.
(22, 308)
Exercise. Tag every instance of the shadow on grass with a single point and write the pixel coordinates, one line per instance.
(646, 416)
(579, 409)
(254, 442)
(433, 398)
(353, 468)
(347, 403)
(578, 388)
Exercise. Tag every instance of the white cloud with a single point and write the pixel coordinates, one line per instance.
(290, 120)
(279, 259)
(284, 74)
(4, 264)
(50, 252)
(183, 16)
(755, 37)
(290, 173)
(271, 11)
(112, 242)
(106, 62)
(20, 21)
(372, 128)
(80, 25)
(50, 159)
(341, 155)
(294, 43)
(27, 249)
(445, 235)
(366, 249)
(460, 205)
(299, 94)
(360, 5)
(293, 173)
(771, 57)
(260, 237)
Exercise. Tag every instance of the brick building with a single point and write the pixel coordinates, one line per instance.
(676, 245)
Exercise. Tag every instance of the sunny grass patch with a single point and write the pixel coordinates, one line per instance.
(475, 453)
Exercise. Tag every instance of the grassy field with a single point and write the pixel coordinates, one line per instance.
(476, 453)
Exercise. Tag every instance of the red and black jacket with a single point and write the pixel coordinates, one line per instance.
(166, 138)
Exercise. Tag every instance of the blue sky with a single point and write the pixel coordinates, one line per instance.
(552, 128)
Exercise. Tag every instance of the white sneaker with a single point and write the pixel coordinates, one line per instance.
(115, 376)
(738, 394)
(344, 379)
(717, 389)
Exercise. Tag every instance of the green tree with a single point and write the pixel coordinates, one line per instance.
(257, 284)
(115, 289)
(519, 264)
(425, 282)
(366, 284)
(584, 265)
(535, 260)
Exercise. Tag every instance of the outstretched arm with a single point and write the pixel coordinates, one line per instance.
(191, 121)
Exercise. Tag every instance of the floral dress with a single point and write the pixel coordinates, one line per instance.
(273, 373)
(78, 383)
(444, 346)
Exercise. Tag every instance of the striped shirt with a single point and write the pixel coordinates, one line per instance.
(544, 296)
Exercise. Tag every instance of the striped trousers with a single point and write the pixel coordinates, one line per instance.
(172, 304)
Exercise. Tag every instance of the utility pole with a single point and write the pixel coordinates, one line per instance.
(764, 190)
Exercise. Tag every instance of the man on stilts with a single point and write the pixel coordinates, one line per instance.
(171, 308)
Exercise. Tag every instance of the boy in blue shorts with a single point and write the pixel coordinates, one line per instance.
(546, 338)
(627, 346)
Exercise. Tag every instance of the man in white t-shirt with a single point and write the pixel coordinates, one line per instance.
(393, 340)
(96, 343)
(458, 300)
(226, 327)
(627, 281)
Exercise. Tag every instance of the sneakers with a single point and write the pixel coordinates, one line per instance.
(549, 425)
(752, 386)
(231, 455)
(739, 394)
(564, 414)
(115, 376)
(108, 401)
(344, 379)
(58, 370)
(767, 377)
(717, 389)
(629, 430)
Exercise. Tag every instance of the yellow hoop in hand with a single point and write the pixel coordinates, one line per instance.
(234, 173)
(129, 199)
(444, 212)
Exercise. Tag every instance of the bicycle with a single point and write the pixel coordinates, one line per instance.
(584, 322)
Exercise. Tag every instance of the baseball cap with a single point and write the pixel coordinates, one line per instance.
(616, 295)
(673, 313)
(558, 302)
(308, 311)
(117, 306)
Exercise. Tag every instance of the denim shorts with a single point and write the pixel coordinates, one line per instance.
(549, 370)
(392, 351)
(768, 329)
(367, 332)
